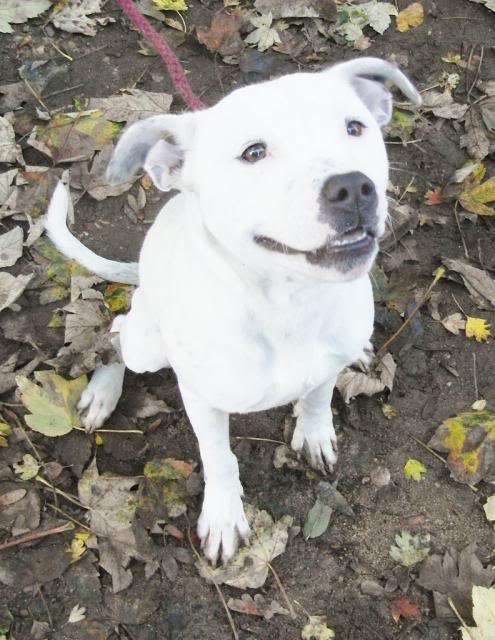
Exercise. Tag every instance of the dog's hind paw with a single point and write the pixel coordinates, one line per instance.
(99, 399)
(222, 523)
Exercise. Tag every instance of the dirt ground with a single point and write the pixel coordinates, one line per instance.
(438, 375)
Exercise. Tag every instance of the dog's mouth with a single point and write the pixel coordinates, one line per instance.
(349, 246)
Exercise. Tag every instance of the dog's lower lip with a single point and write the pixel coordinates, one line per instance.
(355, 241)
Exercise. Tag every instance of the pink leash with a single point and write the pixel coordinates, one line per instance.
(173, 65)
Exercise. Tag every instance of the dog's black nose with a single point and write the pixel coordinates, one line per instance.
(349, 200)
(350, 190)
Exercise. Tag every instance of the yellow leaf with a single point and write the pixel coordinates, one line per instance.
(28, 468)
(452, 58)
(77, 545)
(475, 199)
(410, 17)
(5, 431)
(477, 328)
(479, 405)
(118, 297)
(98, 439)
(170, 5)
(389, 411)
(413, 469)
(53, 404)
(469, 439)
(317, 629)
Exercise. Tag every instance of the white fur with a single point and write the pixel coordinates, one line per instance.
(245, 328)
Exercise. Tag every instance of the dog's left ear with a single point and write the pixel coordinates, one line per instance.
(159, 144)
(370, 78)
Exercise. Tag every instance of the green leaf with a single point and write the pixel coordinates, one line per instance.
(408, 549)
(413, 469)
(28, 468)
(317, 629)
(53, 404)
(317, 521)
(118, 297)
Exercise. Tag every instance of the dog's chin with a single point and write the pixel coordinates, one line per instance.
(348, 255)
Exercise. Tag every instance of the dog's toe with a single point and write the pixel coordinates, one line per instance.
(99, 399)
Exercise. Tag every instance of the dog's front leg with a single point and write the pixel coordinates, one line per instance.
(222, 521)
(314, 430)
(100, 397)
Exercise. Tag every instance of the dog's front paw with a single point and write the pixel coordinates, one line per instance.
(99, 399)
(318, 441)
(222, 523)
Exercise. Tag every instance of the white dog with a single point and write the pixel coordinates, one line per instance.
(253, 281)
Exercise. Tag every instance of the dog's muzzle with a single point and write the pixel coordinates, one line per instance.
(348, 204)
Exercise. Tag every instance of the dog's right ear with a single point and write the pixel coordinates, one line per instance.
(159, 144)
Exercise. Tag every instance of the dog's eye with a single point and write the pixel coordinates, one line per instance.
(355, 128)
(254, 152)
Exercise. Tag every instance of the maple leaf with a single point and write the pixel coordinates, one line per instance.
(408, 549)
(317, 629)
(410, 17)
(28, 468)
(477, 328)
(403, 608)
(469, 439)
(265, 36)
(433, 197)
(476, 198)
(413, 469)
(18, 11)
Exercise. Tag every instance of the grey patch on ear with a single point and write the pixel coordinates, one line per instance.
(122, 166)
(376, 97)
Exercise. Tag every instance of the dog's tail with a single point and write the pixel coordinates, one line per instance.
(58, 232)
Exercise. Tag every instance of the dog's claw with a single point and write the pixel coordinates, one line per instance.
(319, 445)
(100, 397)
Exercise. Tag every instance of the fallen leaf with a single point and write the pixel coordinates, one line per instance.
(475, 199)
(264, 35)
(10, 151)
(222, 35)
(28, 468)
(5, 432)
(453, 576)
(73, 16)
(72, 137)
(85, 323)
(284, 455)
(164, 492)
(469, 439)
(442, 104)
(94, 181)
(132, 105)
(77, 546)
(317, 520)
(489, 508)
(410, 17)
(402, 124)
(477, 282)
(316, 629)
(353, 19)
(483, 606)
(477, 140)
(479, 405)
(11, 288)
(53, 404)
(118, 297)
(18, 11)
(389, 411)
(351, 382)
(403, 608)
(489, 4)
(410, 549)
(11, 497)
(329, 495)
(477, 328)
(257, 606)
(297, 8)
(248, 569)
(11, 247)
(77, 614)
(414, 469)
(454, 323)
(171, 5)
(433, 197)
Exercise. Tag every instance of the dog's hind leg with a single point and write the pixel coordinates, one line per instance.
(314, 430)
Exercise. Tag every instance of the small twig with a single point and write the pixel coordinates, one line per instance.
(65, 495)
(57, 93)
(454, 609)
(69, 517)
(439, 273)
(36, 95)
(36, 535)
(258, 439)
(466, 252)
(219, 591)
(25, 434)
(57, 48)
(405, 142)
(477, 74)
(45, 604)
(457, 303)
(141, 433)
(475, 376)
(406, 189)
(282, 591)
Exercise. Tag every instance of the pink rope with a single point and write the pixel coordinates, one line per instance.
(173, 65)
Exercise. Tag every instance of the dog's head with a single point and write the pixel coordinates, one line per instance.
(287, 175)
